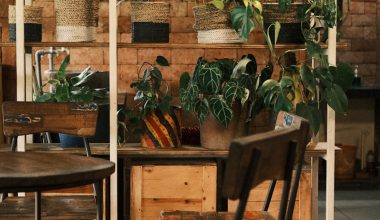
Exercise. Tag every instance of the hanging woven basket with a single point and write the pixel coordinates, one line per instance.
(161, 130)
(150, 22)
(32, 23)
(290, 31)
(214, 25)
(76, 20)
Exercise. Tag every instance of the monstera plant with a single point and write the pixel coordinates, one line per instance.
(220, 93)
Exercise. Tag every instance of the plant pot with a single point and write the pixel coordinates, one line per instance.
(76, 20)
(214, 25)
(214, 135)
(161, 130)
(150, 22)
(32, 23)
(290, 31)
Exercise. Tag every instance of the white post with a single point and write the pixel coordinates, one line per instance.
(113, 102)
(20, 57)
(331, 51)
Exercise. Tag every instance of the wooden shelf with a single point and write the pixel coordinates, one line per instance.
(163, 45)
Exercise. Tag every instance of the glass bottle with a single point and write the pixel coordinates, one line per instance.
(356, 82)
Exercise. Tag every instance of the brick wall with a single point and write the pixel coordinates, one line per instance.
(359, 30)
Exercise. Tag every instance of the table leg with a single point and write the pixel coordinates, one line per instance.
(99, 199)
(37, 206)
(314, 187)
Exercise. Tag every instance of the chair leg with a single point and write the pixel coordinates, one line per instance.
(87, 147)
(37, 205)
(269, 195)
(99, 199)
(246, 186)
(14, 144)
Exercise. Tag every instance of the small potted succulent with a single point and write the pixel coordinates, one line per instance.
(159, 126)
(65, 88)
(221, 92)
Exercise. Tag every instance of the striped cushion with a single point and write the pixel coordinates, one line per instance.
(161, 130)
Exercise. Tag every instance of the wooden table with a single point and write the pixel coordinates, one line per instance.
(36, 172)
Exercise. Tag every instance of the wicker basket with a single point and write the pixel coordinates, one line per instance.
(290, 26)
(150, 22)
(219, 36)
(214, 25)
(32, 23)
(76, 20)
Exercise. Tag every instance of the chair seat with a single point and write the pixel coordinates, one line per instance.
(191, 215)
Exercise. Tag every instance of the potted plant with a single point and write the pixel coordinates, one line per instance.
(220, 92)
(159, 126)
(70, 89)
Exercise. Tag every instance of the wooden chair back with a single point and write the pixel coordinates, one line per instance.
(266, 156)
(21, 118)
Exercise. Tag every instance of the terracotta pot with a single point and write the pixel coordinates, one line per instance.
(161, 130)
(214, 135)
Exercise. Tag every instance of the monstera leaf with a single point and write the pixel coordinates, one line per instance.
(311, 113)
(221, 110)
(241, 18)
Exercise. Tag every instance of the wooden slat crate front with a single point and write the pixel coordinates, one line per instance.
(302, 210)
(179, 187)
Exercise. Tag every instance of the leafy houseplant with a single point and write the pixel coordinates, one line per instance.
(71, 89)
(220, 92)
(159, 125)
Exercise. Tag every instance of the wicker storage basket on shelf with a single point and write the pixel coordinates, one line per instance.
(214, 25)
(290, 31)
(150, 22)
(32, 23)
(76, 20)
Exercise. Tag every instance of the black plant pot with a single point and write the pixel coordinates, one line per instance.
(290, 33)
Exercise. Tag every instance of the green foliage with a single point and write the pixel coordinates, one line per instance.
(151, 93)
(216, 86)
(72, 89)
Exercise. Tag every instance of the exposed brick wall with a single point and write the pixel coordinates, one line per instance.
(359, 29)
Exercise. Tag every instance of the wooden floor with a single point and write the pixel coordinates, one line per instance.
(53, 207)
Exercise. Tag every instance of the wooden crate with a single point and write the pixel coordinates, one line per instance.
(172, 187)
(302, 210)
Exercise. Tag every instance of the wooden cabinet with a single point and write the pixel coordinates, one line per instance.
(172, 187)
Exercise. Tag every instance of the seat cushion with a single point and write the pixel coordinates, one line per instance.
(191, 215)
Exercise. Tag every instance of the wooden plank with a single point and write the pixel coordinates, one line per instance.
(1, 93)
(172, 187)
(209, 188)
(136, 192)
(305, 192)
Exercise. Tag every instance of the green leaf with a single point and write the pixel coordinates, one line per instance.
(202, 109)
(241, 18)
(162, 61)
(282, 103)
(268, 85)
(83, 77)
(232, 91)
(185, 102)
(311, 113)
(221, 110)
(62, 68)
(343, 75)
(62, 93)
(210, 77)
(336, 98)
(314, 50)
(218, 4)
(193, 92)
(164, 105)
(257, 4)
(46, 97)
(184, 80)
(308, 78)
(284, 5)
(277, 28)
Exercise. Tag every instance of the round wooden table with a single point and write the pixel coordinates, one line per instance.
(36, 172)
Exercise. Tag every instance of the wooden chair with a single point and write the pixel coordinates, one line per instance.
(267, 156)
(22, 118)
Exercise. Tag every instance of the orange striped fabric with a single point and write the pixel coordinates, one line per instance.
(161, 130)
